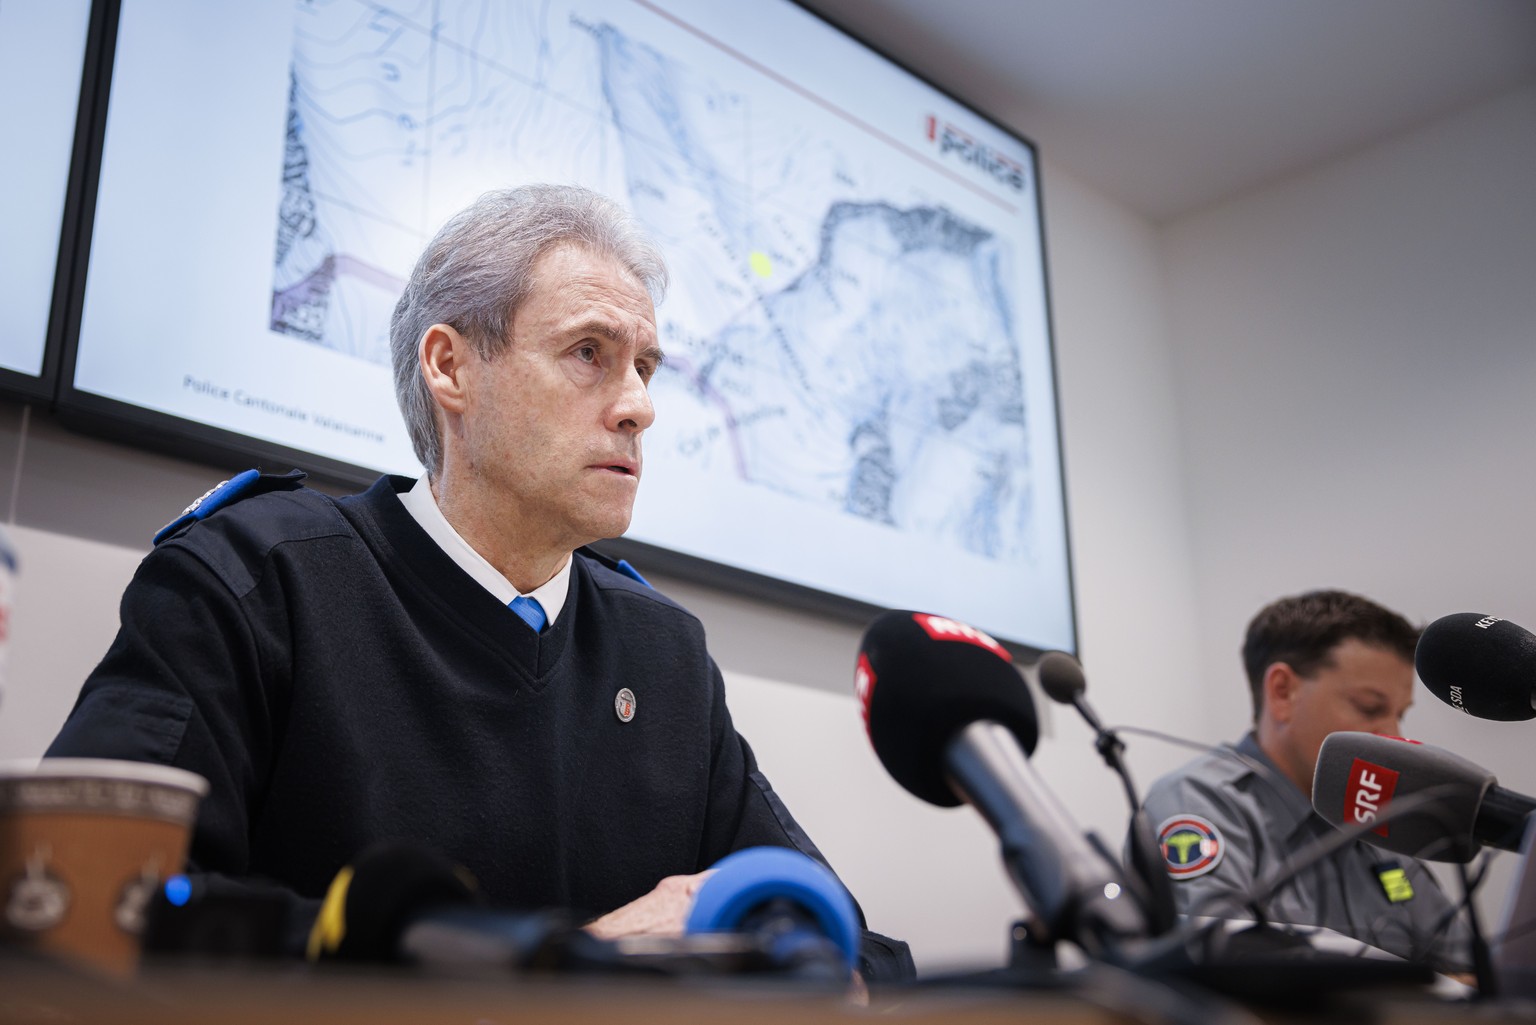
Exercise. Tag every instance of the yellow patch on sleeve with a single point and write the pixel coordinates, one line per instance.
(1395, 882)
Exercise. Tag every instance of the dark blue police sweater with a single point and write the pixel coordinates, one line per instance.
(339, 680)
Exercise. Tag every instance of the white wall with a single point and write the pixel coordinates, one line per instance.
(1356, 366)
(65, 616)
(1125, 486)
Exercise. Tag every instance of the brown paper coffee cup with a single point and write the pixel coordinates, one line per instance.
(84, 845)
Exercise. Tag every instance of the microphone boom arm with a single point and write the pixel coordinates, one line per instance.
(1071, 888)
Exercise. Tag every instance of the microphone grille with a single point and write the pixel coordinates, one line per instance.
(1061, 677)
(1359, 775)
(391, 882)
(1479, 664)
(921, 679)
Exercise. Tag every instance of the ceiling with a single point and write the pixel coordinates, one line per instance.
(1169, 106)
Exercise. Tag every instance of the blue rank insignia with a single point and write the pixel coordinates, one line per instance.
(241, 485)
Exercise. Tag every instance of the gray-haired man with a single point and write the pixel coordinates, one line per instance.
(440, 660)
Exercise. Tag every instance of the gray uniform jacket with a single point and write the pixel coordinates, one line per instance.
(1230, 819)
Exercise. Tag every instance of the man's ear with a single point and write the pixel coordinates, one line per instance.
(445, 357)
(1280, 686)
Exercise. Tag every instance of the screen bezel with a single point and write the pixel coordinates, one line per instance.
(43, 386)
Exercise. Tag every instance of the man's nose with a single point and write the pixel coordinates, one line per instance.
(632, 410)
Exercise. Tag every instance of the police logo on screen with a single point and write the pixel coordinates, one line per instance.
(954, 144)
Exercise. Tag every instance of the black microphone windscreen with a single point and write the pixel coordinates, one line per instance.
(392, 882)
(1483, 665)
(1061, 677)
(1359, 775)
(923, 678)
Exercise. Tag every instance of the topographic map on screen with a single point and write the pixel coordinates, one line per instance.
(842, 327)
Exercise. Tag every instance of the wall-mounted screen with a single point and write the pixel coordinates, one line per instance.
(42, 54)
(859, 394)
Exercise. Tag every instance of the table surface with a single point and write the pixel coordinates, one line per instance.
(38, 992)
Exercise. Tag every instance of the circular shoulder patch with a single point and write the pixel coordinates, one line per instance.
(1191, 845)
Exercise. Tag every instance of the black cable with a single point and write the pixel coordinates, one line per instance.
(1469, 887)
(1482, 963)
(1270, 776)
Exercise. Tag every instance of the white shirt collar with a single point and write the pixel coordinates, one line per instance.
(422, 505)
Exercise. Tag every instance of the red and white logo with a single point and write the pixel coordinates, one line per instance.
(941, 629)
(1191, 845)
(864, 686)
(1368, 792)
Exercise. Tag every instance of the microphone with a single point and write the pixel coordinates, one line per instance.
(1359, 775)
(401, 903)
(797, 910)
(1061, 677)
(951, 721)
(1482, 665)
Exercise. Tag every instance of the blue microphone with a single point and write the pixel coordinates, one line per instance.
(792, 903)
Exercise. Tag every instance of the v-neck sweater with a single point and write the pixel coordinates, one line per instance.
(339, 681)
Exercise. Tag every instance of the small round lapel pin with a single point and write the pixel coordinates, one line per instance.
(624, 704)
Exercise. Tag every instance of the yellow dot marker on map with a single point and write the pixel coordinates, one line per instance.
(761, 265)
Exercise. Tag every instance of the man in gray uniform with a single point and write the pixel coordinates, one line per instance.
(1317, 663)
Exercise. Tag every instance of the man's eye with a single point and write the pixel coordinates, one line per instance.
(646, 371)
(587, 354)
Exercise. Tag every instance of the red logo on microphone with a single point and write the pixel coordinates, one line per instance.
(864, 686)
(941, 629)
(1368, 792)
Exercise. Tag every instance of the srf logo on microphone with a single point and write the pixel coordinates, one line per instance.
(1368, 792)
(941, 629)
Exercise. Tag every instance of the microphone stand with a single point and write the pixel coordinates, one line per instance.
(1146, 861)
(1111, 748)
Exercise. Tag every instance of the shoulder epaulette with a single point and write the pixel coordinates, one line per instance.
(242, 485)
(617, 565)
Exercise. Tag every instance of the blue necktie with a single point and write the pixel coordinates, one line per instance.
(529, 610)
